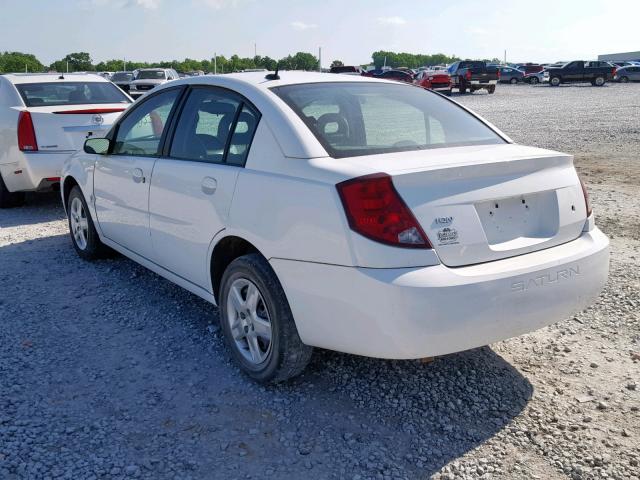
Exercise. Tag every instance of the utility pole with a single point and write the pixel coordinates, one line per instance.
(215, 63)
(505, 56)
(320, 59)
(67, 66)
(124, 64)
(255, 49)
(25, 68)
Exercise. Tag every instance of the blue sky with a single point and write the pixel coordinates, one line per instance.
(349, 30)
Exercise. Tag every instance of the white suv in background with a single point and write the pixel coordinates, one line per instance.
(341, 212)
(149, 78)
(44, 118)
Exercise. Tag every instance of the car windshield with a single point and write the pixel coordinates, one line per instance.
(122, 77)
(70, 93)
(150, 75)
(366, 118)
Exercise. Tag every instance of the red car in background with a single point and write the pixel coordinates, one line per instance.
(439, 81)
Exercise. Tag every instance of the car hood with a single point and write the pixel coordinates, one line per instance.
(151, 81)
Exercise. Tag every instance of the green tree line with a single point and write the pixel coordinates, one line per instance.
(81, 61)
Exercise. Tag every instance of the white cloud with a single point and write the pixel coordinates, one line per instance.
(298, 25)
(220, 4)
(146, 4)
(391, 21)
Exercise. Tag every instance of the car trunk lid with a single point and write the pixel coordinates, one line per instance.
(478, 204)
(65, 127)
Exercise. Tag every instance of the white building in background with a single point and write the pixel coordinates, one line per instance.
(620, 57)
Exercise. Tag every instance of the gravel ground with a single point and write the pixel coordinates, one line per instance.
(108, 371)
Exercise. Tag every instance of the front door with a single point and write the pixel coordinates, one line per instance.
(191, 191)
(122, 178)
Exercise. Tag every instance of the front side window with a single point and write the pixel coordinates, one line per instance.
(141, 130)
(52, 94)
(360, 118)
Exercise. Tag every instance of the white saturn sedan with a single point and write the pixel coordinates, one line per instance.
(45, 118)
(340, 212)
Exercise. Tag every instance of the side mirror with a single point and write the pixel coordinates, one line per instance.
(99, 146)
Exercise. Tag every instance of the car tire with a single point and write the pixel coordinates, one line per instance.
(624, 80)
(491, 89)
(534, 80)
(83, 232)
(599, 81)
(554, 81)
(449, 92)
(462, 90)
(282, 355)
(9, 199)
(513, 81)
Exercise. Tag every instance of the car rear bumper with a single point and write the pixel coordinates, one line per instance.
(426, 311)
(34, 171)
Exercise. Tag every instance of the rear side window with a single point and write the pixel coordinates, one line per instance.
(70, 93)
(214, 126)
(360, 118)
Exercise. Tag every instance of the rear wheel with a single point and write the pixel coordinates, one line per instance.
(491, 89)
(513, 81)
(83, 232)
(554, 81)
(534, 80)
(599, 81)
(257, 322)
(9, 199)
(624, 79)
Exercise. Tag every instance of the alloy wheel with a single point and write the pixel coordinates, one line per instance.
(249, 320)
(79, 223)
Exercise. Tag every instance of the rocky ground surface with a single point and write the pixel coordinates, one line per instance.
(107, 371)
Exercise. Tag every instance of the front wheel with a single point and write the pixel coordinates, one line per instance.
(513, 81)
(534, 80)
(554, 81)
(624, 79)
(84, 236)
(599, 81)
(9, 199)
(257, 322)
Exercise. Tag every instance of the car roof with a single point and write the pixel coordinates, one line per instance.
(259, 81)
(17, 78)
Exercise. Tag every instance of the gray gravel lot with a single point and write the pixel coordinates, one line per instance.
(108, 371)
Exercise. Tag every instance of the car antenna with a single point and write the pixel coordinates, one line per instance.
(274, 75)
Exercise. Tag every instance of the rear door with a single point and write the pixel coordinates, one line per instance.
(122, 178)
(192, 187)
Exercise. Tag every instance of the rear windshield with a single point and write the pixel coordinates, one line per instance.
(361, 118)
(120, 77)
(70, 93)
(150, 75)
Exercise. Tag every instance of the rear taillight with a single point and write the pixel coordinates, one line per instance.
(468, 75)
(498, 72)
(587, 203)
(614, 71)
(26, 133)
(375, 210)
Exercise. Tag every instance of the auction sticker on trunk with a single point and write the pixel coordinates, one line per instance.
(447, 236)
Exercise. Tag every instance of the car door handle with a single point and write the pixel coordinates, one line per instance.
(209, 185)
(138, 175)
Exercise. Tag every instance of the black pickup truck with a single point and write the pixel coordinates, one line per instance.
(596, 73)
(470, 76)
